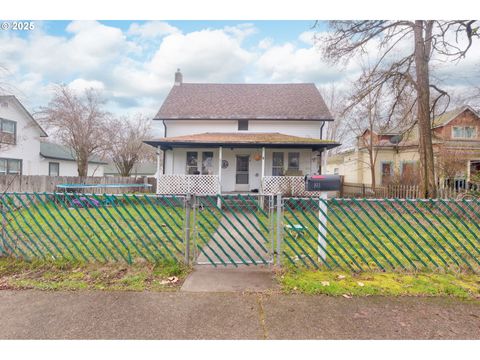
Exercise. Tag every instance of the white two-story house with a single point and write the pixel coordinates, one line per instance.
(24, 151)
(221, 138)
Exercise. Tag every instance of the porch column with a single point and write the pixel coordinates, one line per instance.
(263, 167)
(159, 169)
(220, 159)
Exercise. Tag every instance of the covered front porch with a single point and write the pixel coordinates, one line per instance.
(213, 163)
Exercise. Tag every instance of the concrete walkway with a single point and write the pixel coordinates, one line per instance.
(183, 315)
(243, 279)
(247, 244)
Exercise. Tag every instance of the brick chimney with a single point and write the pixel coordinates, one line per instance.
(178, 77)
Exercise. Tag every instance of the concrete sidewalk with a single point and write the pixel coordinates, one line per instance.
(184, 315)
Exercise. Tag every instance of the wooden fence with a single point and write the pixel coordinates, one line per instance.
(398, 191)
(41, 183)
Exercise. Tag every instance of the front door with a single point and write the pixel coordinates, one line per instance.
(241, 174)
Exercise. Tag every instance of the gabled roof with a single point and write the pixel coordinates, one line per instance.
(248, 139)
(14, 99)
(448, 116)
(244, 101)
(59, 152)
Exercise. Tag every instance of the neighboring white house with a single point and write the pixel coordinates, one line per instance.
(23, 151)
(58, 160)
(20, 138)
(140, 169)
(240, 137)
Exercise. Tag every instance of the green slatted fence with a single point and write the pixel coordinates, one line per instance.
(385, 234)
(244, 230)
(92, 227)
(234, 230)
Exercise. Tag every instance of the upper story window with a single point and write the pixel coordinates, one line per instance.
(464, 132)
(8, 131)
(242, 124)
(10, 166)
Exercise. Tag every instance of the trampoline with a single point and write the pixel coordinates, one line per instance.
(86, 200)
(89, 186)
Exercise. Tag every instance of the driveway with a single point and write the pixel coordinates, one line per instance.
(183, 315)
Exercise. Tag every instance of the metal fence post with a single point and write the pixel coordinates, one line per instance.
(188, 206)
(279, 228)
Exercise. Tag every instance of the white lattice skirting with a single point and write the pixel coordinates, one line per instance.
(287, 186)
(188, 184)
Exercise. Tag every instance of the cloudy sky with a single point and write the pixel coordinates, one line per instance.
(133, 62)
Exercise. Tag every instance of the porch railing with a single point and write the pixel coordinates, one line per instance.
(286, 185)
(184, 184)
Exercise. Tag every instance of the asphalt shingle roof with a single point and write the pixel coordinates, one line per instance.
(244, 101)
(242, 139)
(60, 152)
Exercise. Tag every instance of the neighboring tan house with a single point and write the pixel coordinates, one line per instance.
(240, 137)
(456, 142)
(141, 169)
(58, 160)
(22, 150)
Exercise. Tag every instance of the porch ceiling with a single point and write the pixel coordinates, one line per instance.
(242, 140)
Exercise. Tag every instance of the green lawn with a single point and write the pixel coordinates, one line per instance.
(125, 229)
(385, 235)
(346, 284)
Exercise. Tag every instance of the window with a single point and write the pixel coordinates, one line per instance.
(8, 131)
(277, 164)
(192, 163)
(207, 163)
(205, 168)
(242, 124)
(464, 132)
(53, 169)
(10, 166)
(387, 172)
(294, 161)
(335, 171)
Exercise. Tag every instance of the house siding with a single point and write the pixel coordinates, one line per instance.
(27, 147)
(310, 129)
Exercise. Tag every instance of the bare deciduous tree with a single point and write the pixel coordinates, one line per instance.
(78, 122)
(334, 130)
(127, 147)
(406, 69)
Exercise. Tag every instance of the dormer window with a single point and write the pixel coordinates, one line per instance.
(464, 132)
(8, 131)
(243, 125)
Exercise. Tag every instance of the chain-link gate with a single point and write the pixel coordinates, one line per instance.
(233, 230)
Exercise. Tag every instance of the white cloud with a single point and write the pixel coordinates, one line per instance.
(80, 85)
(288, 63)
(307, 37)
(206, 55)
(152, 29)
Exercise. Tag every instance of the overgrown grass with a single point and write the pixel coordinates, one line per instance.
(385, 235)
(68, 275)
(392, 284)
